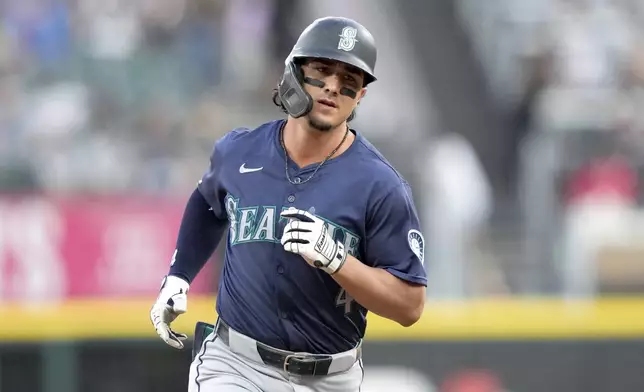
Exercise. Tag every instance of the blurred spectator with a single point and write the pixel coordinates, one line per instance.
(42, 30)
(458, 205)
(600, 200)
(247, 46)
(117, 83)
(583, 66)
(200, 44)
(582, 58)
(112, 29)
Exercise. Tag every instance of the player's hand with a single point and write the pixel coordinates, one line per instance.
(308, 236)
(171, 302)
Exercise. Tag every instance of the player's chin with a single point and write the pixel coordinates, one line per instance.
(320, 122)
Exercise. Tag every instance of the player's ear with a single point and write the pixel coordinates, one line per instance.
(361, 94)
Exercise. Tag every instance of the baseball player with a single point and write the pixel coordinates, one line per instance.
(321, 230)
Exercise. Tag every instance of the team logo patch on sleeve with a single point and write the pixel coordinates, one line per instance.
(417, 244)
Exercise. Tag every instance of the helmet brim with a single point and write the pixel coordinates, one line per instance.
(349, 59)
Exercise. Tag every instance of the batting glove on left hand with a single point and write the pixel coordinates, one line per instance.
(307, 235)
(170, 304)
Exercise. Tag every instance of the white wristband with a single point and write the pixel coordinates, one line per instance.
(174, 284)
(337, 261)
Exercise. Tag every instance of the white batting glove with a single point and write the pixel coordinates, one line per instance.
(171, 302)
(308, 236)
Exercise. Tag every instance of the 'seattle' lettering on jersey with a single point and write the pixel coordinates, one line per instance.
(275, 296)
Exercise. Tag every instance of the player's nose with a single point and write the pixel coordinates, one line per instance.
(332, 84)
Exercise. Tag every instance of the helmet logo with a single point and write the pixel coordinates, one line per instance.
(348, 39)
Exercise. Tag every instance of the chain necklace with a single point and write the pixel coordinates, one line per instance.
(297, 179)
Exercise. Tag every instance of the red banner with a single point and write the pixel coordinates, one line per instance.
(55, 249)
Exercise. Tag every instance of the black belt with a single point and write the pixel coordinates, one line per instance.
(303, 365)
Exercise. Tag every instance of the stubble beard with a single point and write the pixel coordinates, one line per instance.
(319, 125)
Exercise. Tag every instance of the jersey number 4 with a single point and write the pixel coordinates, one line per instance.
(344, 299)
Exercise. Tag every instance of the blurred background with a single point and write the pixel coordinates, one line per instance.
(518, 123)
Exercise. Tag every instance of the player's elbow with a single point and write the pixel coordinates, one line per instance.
(414, 311)
(411, 316)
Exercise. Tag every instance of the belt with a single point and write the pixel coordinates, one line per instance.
(303, 364)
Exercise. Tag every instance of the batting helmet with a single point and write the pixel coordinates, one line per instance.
(333, 38)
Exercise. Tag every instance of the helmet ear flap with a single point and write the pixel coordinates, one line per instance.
(292, 95)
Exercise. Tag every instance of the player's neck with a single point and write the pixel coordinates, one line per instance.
(307, 146)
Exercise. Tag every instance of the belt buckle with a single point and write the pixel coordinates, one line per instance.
(287, 360)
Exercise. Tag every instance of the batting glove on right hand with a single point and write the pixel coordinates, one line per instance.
(308, 235)
(170, 304)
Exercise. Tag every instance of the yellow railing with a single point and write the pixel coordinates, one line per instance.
(619, 317)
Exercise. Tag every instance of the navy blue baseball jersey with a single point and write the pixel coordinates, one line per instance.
(275, 296)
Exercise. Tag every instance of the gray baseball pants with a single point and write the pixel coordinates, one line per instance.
(233, 364)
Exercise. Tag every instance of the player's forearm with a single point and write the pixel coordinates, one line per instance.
(199, 234)
(381, 292)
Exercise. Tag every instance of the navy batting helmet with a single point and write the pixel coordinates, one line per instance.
(333, 38)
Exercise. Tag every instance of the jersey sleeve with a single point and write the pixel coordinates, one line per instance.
(210, 185)
(394, 238)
